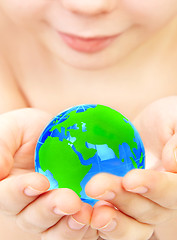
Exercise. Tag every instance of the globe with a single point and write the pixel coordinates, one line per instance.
(83, 141)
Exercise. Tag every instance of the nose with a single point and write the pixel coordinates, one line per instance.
(89, 7)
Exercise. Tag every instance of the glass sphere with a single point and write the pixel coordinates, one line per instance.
(83, 141)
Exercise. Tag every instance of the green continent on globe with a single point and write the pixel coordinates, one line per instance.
(54, 151)
(98, 126)
(103, 126)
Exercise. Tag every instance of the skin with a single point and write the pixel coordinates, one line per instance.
(143, 198)
(134, 20)
(155, 203)
(126, 69)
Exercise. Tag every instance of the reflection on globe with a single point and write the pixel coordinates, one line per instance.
(83, 141)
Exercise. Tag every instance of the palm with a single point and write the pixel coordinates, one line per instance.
(19, 138)
(157, 126)
(152, 142)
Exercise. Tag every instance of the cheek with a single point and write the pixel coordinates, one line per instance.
(24, 9)
(152, 13)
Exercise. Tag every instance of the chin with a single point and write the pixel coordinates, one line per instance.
(91, 63)
(105, 58)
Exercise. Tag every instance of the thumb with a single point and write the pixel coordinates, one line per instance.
(169, 154)
(19, 132)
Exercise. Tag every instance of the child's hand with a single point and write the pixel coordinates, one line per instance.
(143, 198)
(23, 192)
(154, 197)
(134, 217)
(157, 125)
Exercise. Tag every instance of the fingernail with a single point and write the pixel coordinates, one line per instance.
(57, 211)
(110, 226)
(74, 224)
(108, 195)
(31, 192)
(138, 190)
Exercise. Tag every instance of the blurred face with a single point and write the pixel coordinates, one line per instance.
(91, 34)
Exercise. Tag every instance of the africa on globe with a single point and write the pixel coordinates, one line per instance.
(83, 141)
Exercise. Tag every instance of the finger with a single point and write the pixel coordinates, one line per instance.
(91, 234)
(85, 217)
(112, 224)
(6, 160)
(169, 154)
(48, 209)
(103, 203)
(17, 128)
(109, 187)
(18, 191)
(71, 227)
(159, 187)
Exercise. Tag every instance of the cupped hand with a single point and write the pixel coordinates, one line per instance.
(55, 214)
(120, 215)
(143, 198)
(134, 205)
(157, 125)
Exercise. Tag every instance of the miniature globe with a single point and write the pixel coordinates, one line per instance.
(83, 141)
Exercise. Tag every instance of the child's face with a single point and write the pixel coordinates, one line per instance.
(132, 21)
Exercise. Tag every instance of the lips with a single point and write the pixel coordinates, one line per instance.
(87, 45)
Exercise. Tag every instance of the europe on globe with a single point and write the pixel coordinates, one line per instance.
(83, 141)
